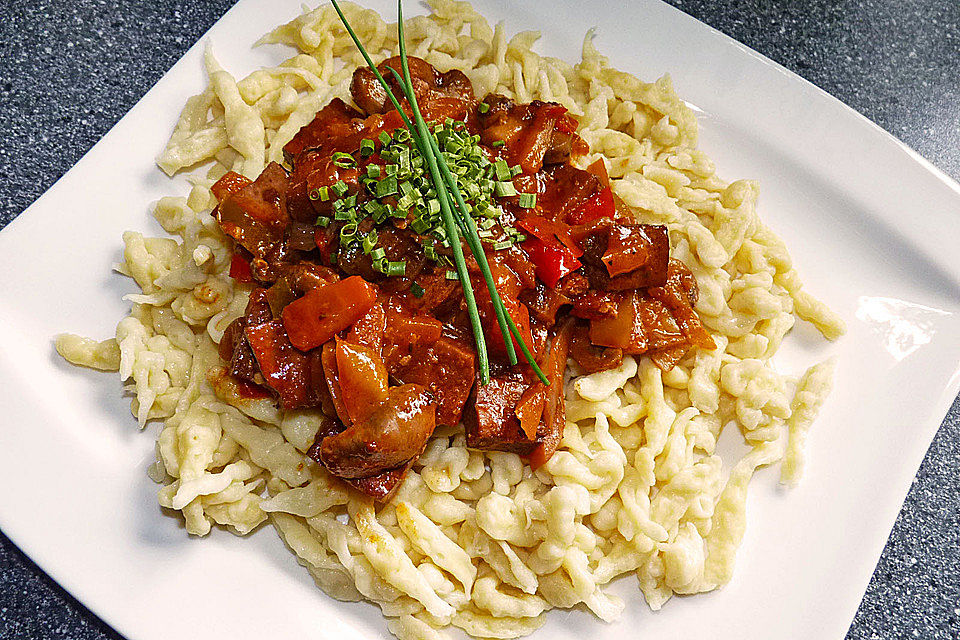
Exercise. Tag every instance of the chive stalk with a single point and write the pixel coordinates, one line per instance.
(445, 196)
(473, 240)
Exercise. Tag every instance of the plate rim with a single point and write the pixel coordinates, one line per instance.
(947, 397)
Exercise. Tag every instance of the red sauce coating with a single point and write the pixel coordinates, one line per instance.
(387, 358)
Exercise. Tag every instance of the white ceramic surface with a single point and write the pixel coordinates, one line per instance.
(872, 227)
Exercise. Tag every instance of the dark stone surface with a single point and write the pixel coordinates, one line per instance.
(69, 71)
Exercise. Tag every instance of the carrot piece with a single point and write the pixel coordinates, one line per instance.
(328, 360)
(554, 414)
(231, 182)
(369, 329)
(325, 311)
(530, 409)
(363, 379)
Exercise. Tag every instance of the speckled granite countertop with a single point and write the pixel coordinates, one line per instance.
(70, 70)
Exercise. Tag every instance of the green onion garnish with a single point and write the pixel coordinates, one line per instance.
(396, 268)
(387, 186)
(370, 241)
(339, 188)
(504, 189)
(527, 200)
(445, 193)
(502, 169)
(343, 160)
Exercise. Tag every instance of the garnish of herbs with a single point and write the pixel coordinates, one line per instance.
(454, 212)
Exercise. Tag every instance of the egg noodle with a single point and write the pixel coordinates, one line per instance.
(474, 539)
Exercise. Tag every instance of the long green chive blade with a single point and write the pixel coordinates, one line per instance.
(526, 351)
(373, 67)
(481, 258)
(427, 149)
(464, 219)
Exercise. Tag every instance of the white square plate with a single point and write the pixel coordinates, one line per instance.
(872, 227)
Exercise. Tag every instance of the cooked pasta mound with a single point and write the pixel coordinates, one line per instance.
(476, 540)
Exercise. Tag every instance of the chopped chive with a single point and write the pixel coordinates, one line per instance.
(396, 268)
(504, 189)
(417, 290)
(367, 147)
(527, 200)
(370, 241)
(502, 169)
(387, 186)
(344, 160)
(348, 232)
(373, 171)
(339, 188)
(454, 147)
(384, 137)
(484, 107)
(378, 254)
(324, 193)
(497, 144)
(505, 244)
(451, 275)
(322, 221)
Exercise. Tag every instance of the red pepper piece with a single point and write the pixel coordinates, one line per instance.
(599, 169)
(491, 329)
(565, 122)
(551, 232)
(553, 261)
(325, 311)
(600, 205)
(240, 269)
